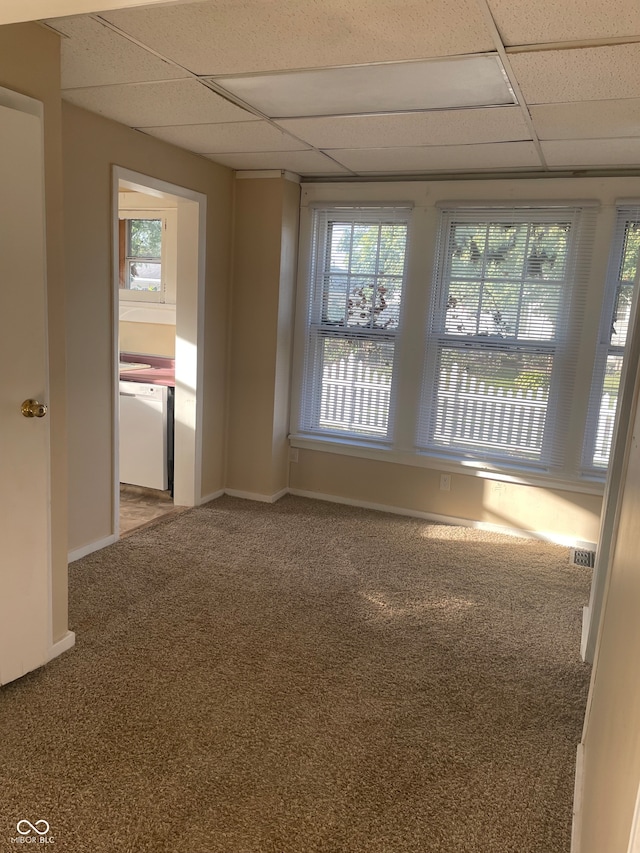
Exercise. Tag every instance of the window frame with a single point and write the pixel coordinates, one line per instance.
(157, 297)
(558, 349)
(627, 212)
(130, 259)
(312, 331)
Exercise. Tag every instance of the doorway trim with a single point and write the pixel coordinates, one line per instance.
(612, 498)
(189, 364)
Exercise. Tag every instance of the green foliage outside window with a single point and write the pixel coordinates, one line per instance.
(145, 238)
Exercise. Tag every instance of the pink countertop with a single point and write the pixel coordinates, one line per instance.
(161, 371)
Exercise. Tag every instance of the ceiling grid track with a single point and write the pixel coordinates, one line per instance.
(572, 45)
(504, 58)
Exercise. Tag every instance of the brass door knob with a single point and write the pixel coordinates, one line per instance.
(34, 409)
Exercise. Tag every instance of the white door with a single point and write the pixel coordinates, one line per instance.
(25, 551)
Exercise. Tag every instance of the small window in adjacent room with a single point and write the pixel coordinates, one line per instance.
(616, 316)
(141, 251)
(354, 306)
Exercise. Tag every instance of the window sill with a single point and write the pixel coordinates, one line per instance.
(162, 313)
(469, 468)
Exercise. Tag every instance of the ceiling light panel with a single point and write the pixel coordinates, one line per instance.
(301, 162)
(226, 36)
(587, 119)
(234, 137)
(93, 55)
(450, 158)
(524, 22)
(435, 84)
(440, 127)
(172, 102)
(592, 152)
(585, 74)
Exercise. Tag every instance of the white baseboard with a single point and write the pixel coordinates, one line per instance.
(543, 536)
(577, 801)
(255, 496)
(212, 497)
(77, 553)
(63, 645)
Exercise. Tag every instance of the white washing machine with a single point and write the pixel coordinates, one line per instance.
(143, 435)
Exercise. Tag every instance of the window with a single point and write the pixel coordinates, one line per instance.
(141, 257)
(616, 315)
(144, 255)
(353, 319)
(503, 334)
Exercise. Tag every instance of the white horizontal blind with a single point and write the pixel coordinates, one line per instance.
(509, 290)
(621, 275)
(354, 316)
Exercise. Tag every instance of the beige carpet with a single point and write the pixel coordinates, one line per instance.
(305, 677)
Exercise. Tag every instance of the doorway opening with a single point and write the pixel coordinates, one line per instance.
(159, 238)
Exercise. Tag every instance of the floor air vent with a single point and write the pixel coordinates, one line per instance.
(582, 557)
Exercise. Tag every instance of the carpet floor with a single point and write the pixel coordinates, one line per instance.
(305, 677)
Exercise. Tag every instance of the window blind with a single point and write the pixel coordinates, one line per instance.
(614, 326)
(504, 331)
(354, 315)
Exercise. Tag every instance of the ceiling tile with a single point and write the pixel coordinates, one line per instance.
(172, 102)
(230, 137)
(229, 36)
(440, 83)
(301, 162)
(93, 55)
(586, 74)
(587, 119)
(441, 127)
(468, 158)
(592, 152)
(524, 22)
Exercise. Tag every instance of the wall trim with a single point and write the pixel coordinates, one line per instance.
(520, 533)
(577, 801)
(245, 174)
(212, 497)
(586, 622)
(77, 553)
(254, 496)
(189, 368)
(63, 645)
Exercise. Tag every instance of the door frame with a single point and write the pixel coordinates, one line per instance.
(11, 100)
(189, 364)
(611, 501)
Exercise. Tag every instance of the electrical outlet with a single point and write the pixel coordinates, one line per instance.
(445, 482)
(293, 454)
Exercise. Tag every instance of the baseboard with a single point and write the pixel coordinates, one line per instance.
(576, 826)
(543, 536)
(77, 553)
(63, 645)
(255, 496)
(212, 497)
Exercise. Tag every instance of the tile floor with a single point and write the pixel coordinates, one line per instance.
(140, 506)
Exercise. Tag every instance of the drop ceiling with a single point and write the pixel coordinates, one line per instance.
(371, 87)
